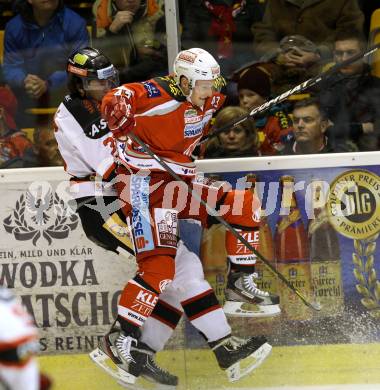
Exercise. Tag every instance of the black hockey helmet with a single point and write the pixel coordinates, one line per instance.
(88, 64)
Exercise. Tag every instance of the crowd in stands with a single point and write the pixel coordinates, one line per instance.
(264, 47)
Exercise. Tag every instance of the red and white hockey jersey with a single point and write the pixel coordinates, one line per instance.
(86, 145)
(166, 121)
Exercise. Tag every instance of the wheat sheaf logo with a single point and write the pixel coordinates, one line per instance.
(44, 216)
(354, 211)
(365, 273)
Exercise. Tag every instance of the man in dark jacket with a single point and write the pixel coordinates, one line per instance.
(351, 97)
(312, 131)
(37, 42)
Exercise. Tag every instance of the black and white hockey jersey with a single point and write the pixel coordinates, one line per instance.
(86, 145)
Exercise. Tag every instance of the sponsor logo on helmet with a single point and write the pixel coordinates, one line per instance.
(78, 71)
(80, 58)
(215, 70)
(187, 56)
(106, 73)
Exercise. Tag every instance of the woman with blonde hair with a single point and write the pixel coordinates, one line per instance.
(241, 141)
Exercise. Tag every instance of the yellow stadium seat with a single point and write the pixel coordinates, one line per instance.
(28, 131)
(374, 38)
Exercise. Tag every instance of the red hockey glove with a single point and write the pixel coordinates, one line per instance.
(118, 114)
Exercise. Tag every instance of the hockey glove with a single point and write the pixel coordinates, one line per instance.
(119, 117)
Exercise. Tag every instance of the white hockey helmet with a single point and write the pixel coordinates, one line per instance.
(195, 64)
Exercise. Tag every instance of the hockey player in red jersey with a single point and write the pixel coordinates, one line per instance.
(86, 144)
(169, 114)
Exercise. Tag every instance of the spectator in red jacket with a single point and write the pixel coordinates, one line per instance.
(15, 148)
(274, 127)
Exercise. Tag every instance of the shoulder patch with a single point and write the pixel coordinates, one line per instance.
(151, 89)
(88, 116)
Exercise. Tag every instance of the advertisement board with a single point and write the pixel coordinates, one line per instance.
(323, 237)
(320, 229)
(69, 285)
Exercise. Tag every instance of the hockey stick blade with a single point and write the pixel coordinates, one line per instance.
(297, 89)
(215, 214)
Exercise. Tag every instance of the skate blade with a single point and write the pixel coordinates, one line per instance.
(145, 386)
(236, 309)
(142, 384)
(106, 363)
(246, 366)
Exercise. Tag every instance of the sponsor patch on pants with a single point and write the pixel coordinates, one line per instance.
(142, 230)
(237, 252)
(166, 222)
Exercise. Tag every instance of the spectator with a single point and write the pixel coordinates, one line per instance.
(36, 44)
(351, 97)
(297, 60)
(15, 149)
(222, 27)
(311, 131)
(274, 127)
(317, 20)
(241, 141)
(132, 34)
(47, 148)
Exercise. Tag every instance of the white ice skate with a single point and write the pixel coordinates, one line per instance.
(240, 357)
(245, 299)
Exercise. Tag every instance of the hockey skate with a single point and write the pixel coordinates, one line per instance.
(130, 362)
(239, 357)
(245, 299)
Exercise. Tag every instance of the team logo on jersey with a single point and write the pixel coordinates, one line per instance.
(152, 90)
(36, 216)
(97, 129)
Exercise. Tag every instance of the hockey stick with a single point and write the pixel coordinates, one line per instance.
(214, 213)
(298, 88)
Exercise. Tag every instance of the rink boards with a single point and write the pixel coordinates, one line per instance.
(67, 283)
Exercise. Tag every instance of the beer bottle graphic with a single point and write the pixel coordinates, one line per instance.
(213, 255)
(292, 253)
(326, 273)
(267, 280)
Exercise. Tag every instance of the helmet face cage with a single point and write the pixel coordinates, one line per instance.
(90, 64)
(196, 64)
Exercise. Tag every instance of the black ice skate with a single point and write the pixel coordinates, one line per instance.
(245, 299)
(240, 357)
(133, 360)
